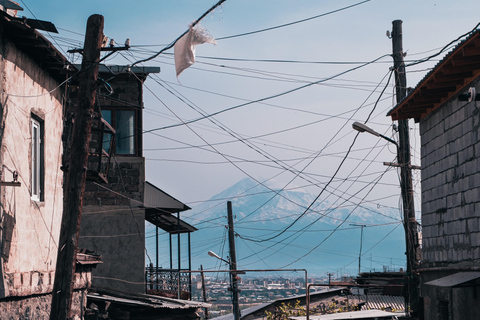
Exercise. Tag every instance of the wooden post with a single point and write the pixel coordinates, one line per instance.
(76, 172)
(233, 263)
(204, 290)
(410, 224)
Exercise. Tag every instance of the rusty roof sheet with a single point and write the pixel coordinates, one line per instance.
(452, 74)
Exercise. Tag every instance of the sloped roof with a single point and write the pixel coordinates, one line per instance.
(157, 198)
(452, 74)
(455, 279)
(142, 300)
(33, 43)
(365, 314)
(265, 306)
(160, 207)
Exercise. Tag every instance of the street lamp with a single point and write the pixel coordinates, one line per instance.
(213, 254)
(360, 127)
(409, 222)
(233, 284)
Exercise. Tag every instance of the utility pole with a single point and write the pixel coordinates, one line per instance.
(76, 172)
(410, 223)
(361, 243)
(204, 290)
(233, 263)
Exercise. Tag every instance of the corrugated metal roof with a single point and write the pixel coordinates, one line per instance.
(253, 310)
(143, 300)
(380, 302)
(367, 314)
(449, 76)
(455, 279)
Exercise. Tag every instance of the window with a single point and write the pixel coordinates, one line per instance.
(124, 121)
(37, 160)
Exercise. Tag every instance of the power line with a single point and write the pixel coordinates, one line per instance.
(265, 98)
(184, 33)
(294, 22)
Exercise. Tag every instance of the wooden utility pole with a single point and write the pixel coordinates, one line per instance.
(410, 223)
(204, 290)
(76, 172)
(233, 263)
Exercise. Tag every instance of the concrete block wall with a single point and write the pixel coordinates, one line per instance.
(118, 234)
(127, 91)
(126, 179)
(451, 184)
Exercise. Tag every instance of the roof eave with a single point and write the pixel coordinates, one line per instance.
(451, 75)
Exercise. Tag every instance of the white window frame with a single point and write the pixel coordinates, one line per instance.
(37, 161)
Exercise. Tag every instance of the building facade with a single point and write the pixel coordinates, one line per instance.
(32, 75)
(446, 105)
(113, 217)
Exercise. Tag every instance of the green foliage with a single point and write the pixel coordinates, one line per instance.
(285, 311)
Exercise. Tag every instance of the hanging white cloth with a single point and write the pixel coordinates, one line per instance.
(184, 49)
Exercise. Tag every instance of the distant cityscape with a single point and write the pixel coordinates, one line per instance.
(253, 291)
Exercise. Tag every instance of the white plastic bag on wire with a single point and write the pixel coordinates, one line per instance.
(184, 49)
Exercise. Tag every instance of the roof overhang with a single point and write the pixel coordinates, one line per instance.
(455, 280)
(167, 221)
(459, 68)
(159, 210)
(36, 46)
(157, 198)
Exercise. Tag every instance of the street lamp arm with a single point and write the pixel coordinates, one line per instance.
(389, 140)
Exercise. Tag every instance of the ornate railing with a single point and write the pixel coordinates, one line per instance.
(168, 282)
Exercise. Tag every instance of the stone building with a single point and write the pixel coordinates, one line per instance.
(118, 201)
(32, 79)
(445, 104)
(113, 218)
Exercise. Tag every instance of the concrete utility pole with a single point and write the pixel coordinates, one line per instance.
(76, 172)
(233, 263)
(410, 223)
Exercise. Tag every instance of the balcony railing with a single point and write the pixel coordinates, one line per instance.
(172, 283)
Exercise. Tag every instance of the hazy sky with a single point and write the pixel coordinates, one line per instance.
(298, 138)
(180, 161)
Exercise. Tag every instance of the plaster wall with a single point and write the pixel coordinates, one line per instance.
(30, 228)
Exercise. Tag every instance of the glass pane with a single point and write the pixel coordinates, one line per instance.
(107, 116)
(35, 160)
(125, 131)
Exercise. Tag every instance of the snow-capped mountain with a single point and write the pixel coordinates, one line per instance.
(275, 230)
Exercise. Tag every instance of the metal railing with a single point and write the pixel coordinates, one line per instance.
(175, 283)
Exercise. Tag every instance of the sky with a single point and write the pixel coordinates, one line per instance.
(297, 136)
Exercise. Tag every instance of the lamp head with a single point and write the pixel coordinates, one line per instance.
(360, 127)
